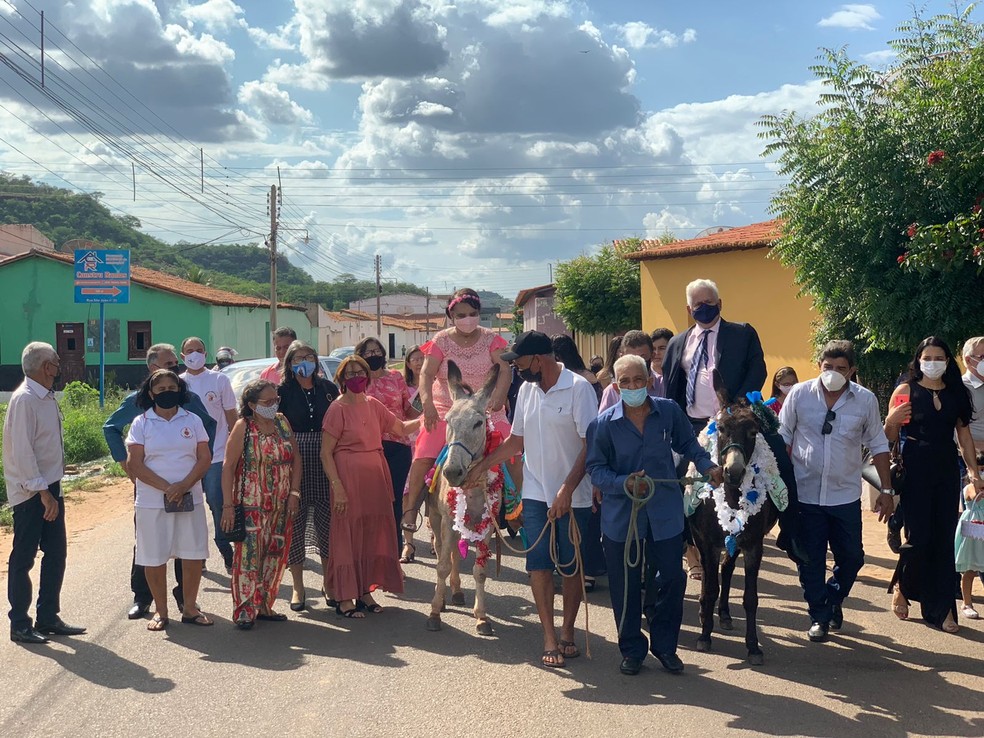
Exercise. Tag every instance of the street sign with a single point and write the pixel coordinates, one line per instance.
(102, 275)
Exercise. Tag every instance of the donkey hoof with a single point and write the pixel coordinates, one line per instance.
(756, 659)
(458, 599)
(727, 624)
(703, 645)
(484, 628)
(433, 623)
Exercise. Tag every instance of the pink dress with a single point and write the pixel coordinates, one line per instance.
(391, 390)
(475, 363)
(362, 550)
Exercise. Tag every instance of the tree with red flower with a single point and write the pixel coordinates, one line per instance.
(935, 157)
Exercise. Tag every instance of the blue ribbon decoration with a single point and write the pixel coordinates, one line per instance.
(754, 397)
(731, 543)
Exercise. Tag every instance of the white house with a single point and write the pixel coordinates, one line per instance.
(337, 329)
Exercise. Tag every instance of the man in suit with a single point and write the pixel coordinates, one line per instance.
(734, 351)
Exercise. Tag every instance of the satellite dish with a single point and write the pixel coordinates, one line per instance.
(712, 230)
(79, 243)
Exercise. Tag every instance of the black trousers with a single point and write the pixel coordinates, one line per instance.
(138, 580)
(31, 533)
(398, 457)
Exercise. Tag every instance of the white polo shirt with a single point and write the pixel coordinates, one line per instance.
(553, 425)
(170, 451)
(217, 394)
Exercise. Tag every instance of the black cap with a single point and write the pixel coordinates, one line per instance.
(529, 343)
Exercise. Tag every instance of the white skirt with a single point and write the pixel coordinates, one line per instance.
(162, 535)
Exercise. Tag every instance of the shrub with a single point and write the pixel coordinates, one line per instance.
(79, 394)
(82, 427)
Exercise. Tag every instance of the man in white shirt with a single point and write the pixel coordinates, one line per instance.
(554, 408)
(215, 390)
(283, 337)
(33, 465)
(825, 422)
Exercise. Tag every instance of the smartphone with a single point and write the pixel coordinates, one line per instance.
(901, 399)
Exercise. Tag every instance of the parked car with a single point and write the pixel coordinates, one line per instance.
(341, 352)
(242, 373)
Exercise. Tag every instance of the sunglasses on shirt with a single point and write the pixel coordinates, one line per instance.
(827, 427)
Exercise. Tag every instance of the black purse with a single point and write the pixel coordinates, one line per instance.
(896, 469)
(238, 532)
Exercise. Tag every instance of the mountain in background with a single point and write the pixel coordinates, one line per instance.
(62, 215)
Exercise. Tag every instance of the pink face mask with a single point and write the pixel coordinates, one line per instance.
(356, 385)
(466, 324)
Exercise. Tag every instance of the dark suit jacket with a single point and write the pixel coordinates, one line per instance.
(738, 357)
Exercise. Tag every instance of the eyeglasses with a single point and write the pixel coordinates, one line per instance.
(372, 352)
(827, 427)
(354, 373)
(301, 359)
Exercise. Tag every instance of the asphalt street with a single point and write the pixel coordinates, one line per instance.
(387, 675)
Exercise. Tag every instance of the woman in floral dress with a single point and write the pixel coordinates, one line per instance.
(262, 471)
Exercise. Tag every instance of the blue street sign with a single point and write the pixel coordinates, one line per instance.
(102, 275)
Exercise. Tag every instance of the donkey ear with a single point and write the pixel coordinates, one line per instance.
(454, 381)
(720, 389)
(490, 381)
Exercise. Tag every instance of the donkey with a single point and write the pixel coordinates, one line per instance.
(738, 427)
(467, 435)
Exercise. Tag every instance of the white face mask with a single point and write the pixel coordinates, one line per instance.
(784, 388)
(267, 411)
(833, 381)
(195, 360)
(932, 369)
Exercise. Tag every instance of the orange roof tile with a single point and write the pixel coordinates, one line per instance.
(754, 236)
(524, 295)
(168, 283)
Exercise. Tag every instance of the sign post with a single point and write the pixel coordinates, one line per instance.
(102, 276)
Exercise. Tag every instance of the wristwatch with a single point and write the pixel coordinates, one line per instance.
(888, 491)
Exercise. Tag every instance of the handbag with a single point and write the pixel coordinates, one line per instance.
(896, 469)
(238, 532)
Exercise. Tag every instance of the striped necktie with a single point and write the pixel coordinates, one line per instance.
(699, 360)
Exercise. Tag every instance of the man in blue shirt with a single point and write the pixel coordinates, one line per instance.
(159, 356)
(627, 443)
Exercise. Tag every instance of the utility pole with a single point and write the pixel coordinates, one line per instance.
(427, 312)
(550, 267)
(274, 210)
(379, 294)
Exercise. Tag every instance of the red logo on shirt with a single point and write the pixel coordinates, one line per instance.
(210, 396)
(186, 432)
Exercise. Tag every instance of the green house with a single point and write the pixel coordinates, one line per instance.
(38, 305)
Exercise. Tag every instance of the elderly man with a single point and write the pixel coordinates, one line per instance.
(825, 422)
(33, 465)
(628, 444)
(159, 356)
(283, 337)
(550, 422)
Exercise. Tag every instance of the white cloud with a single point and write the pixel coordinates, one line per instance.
(205, 47)
(853, 17)
(879, 58)
(640, 35)
(272, 104)
(215, 15)
(281, 40)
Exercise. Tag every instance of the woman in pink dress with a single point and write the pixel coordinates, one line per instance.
(362, 548)
(475, 350)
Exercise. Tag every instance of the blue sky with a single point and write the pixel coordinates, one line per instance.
(469, 142)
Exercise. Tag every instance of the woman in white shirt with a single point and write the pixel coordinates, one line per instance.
(167, 452)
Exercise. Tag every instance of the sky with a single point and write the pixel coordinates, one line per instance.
(467, 142)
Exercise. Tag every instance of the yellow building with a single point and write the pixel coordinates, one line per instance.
(754, 289)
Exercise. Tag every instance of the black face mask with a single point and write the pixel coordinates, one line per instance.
(167, 400)
(527, 375)
(375, 362)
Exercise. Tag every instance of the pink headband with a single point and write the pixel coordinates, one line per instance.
(470, 299)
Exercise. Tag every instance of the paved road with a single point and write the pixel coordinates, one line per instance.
(386, 675)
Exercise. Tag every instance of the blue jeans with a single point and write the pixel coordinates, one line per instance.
(838, 526)
(535, 520)
(669, 585)
(212, 486)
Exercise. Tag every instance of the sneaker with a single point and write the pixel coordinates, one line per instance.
(969, 612)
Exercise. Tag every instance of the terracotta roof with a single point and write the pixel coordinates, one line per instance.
(167, 283)
(524, 295)
(754, 236)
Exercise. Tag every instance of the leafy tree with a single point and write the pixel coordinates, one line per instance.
(878, 213)
(517, 321)
(599, 293)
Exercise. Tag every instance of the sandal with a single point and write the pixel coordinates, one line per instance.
(900, 608)
(329, 601)
(569, 649)
(371, 606)
(409, 554)
(553, 659)
(272, 617)
(353, 612)
(244, 624)
(950, 625)
(696, 572)
(199, 619)
(157, 623)
(412, 526)
(589, 586)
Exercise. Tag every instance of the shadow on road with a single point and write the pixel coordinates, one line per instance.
(103, 667)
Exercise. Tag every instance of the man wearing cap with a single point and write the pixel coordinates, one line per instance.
(553, 410)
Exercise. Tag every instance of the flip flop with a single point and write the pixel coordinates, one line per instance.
(199, 619)
(553, 659)
(157, 623)
(273, 617)
(569, 649)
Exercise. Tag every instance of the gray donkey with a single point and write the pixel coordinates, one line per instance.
(467, 429)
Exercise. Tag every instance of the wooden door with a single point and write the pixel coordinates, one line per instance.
(70, 338)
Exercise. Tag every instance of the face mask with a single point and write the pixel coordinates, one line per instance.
(195, 360)
(784, 388)
(305, 368)
(528, 375)
(167, 400)
(269, 412)
(375, 362)
(634, 397)
(466, 325)
(706, 313)
(356, 384)
(932, 369)
(832, 380)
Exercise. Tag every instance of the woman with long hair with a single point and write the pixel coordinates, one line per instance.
(607, 375)
(262, 472)
(782, 381)
(412, 365)
(305, 396)
(938, 404)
